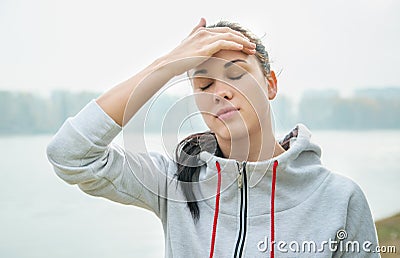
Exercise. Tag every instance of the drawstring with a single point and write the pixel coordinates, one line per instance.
(273, 208)
(216, 211)
(214, 231)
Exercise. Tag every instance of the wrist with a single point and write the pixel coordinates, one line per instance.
(163, 66)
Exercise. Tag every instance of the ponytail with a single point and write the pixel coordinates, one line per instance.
(187, 158)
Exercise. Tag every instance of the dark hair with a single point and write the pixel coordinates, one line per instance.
(187, 156)
(261, 53)
(188, 150)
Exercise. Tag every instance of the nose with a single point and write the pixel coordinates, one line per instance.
(222, 91)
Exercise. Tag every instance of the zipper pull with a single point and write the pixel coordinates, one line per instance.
(240, 180)
(240, 175)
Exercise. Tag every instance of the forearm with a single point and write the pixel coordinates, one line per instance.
(135, 91)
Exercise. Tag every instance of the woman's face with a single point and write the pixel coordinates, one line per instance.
(232, 94)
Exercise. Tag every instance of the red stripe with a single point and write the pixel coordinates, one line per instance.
(273, 209)
(214, 231)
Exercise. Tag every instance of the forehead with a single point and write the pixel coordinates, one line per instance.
(229, 54)
(221, 58)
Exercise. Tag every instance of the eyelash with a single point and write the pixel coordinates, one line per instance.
(232, 78)
(205, 87)
(237, 77)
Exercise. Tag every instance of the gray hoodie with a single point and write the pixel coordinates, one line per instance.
(288, 206)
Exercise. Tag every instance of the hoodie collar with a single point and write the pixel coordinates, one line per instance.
(298, 175)
(294, 143)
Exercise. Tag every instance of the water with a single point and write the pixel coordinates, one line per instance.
(42, 216)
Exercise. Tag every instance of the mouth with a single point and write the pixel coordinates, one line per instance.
(228, 112)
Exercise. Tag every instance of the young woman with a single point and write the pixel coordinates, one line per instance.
(233, 191)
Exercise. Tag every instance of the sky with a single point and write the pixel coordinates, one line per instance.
(94, 45)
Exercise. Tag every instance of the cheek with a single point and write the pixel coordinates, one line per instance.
(254, 99)
(254, 89)
(203, 102)
(204, 105)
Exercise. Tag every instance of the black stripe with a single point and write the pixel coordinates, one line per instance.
(245, 209)
(240, 223)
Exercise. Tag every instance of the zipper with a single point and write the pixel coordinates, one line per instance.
(242, 186)
(240, 175)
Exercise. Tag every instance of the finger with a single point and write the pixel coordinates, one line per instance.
(233, 37)
(249, 51)
(229, 45)
(226, 30)
(223, 45)
(202, 23)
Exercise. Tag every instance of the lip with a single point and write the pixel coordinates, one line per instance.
(226, 110)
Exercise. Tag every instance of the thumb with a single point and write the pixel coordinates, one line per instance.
(202, 23)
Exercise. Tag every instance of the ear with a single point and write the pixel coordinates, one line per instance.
(272, 85)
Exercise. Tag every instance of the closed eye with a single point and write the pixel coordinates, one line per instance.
(237, 77)
(206, 87)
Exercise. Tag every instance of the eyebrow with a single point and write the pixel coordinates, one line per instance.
(234, 61)
(204, 71)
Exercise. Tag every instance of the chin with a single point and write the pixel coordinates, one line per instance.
(231, 134)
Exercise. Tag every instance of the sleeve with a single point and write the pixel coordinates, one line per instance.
(359, 237)
(82, 153)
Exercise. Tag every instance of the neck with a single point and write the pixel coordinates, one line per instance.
(255, 147)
